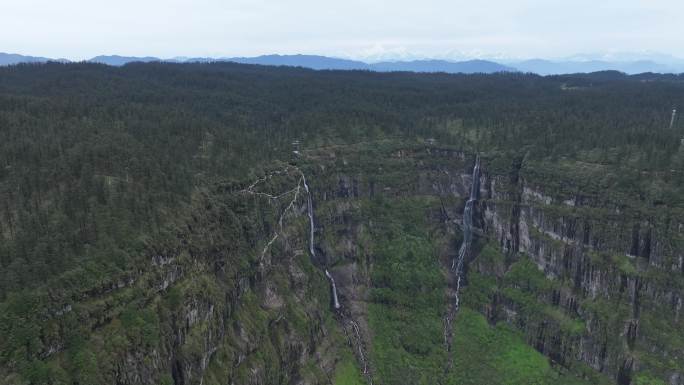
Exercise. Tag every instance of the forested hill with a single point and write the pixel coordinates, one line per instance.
(101, 167)
(559, 115)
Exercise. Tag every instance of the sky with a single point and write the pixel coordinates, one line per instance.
(359, 29)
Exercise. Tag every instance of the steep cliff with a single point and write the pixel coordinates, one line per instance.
(572, 279)
(229, 295)
(586, 267)
(594, 267)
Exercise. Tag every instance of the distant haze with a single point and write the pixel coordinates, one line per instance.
(622, 30)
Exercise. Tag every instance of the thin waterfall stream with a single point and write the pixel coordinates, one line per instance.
(356, 333)
(460, 259)
(464, 251)
(351, 327)
(309, 205)
(336, 302)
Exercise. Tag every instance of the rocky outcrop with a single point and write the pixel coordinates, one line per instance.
(614, 271)
(602, 255)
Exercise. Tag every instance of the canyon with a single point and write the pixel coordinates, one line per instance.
(593, 284)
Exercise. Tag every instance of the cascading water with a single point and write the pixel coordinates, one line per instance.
(353, 332)
(336, 302)
(309, 205)
(457, 263)
(309, 210)
(351, 328)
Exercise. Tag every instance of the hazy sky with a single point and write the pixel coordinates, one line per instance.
(79, 29)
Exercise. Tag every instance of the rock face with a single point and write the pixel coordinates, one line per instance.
(590, 274)
(615, 265)
(611, 265)
(230, 299)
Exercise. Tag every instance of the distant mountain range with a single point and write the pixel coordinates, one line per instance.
(12, 58)
(547, 67)
(539, 66)
(115, 60)
(327, 63)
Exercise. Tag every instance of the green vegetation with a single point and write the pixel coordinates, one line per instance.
(645, 379)
(407, 296)
(347, 372)
(495, 355)
(126, 246)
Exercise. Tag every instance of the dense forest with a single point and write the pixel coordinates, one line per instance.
(101, 167)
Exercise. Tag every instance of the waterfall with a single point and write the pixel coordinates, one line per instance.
(355, 327)
(309, 210)
(309, 206)
(457, 263)
(336, 302)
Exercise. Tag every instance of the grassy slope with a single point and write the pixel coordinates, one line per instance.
(347, 371)
(485, 354)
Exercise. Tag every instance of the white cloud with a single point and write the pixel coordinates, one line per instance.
(352, 28)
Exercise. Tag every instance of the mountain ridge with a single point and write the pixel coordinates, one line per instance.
(320, 62)
(13, 58)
